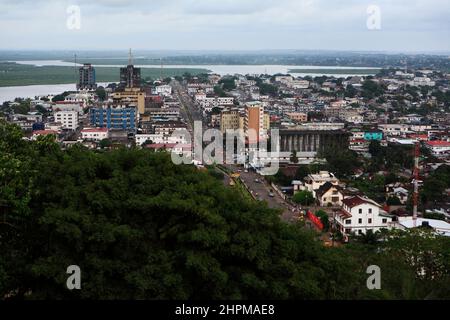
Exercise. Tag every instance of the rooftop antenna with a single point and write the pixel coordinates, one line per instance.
(130, 58)
(130, 70)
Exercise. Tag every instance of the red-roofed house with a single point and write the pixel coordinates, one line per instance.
(438, 147)
(359, 214)
(94, 134)
(418, 136)
(38, 133)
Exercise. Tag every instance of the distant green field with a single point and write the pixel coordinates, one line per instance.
(12, 74)
(118, 61)
(367, 71)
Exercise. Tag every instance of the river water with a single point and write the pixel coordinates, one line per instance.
(10, 93)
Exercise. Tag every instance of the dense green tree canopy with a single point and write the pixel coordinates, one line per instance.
(303, 197)
(141, 227)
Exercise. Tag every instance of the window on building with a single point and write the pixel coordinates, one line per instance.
(359, 220)
(384, 220)
(359, 210)
(370, 210)
(348, 221)
(370, 220)
(359, 231)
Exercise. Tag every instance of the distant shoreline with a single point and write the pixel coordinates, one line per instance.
(16, 75)
(361, 71)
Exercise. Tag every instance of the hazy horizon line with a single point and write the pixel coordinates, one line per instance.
(429, 52)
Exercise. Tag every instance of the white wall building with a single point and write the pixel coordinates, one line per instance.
(68, 106)
(439, 226)
(80, 98)
(298, 84)
(163, 90)
(68, 119)
(161, 138)
(438, 147)
(422, 81)
(358, 215)
(394, 129)
(94, 134)
(315, 181)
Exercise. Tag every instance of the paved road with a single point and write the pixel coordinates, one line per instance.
(261, 190)
(189, 110)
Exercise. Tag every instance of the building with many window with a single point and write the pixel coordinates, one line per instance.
(438, 147)
(329, 194)
(297, 116)
(230, 120)
(86, 77)
(94, 134)
(358, 215)
(255, 122)
(130, 77)
(314, 181)
(121, 118)
(68, 119)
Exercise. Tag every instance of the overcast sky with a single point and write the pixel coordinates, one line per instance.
(406, 25)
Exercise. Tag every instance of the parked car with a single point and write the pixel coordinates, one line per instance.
(271, 194)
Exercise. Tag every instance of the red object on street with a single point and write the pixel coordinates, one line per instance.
(315, 219)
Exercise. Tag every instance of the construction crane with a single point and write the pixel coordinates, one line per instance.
(416, 181)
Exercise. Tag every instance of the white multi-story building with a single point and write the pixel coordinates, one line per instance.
(94, 134)
(68, 119)
(394, 129)
(284, 79)
(358, 215)
(299, 84)
(163, 90)
(68, 106)
(438, 147)
(194, 88)
(211, 102)
(315, 181)
(161, 138)
(422, 81)
(80, 98)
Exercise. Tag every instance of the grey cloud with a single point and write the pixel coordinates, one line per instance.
(227, 24)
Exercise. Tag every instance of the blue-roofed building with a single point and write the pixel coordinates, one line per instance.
(373, 135)
(120, 118)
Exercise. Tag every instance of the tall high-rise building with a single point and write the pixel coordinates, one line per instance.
(130, 77)
(256, 121)
(86, 79)
(230, 120)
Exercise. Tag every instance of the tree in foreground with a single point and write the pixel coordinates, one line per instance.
(140, 227)
(303, 197)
